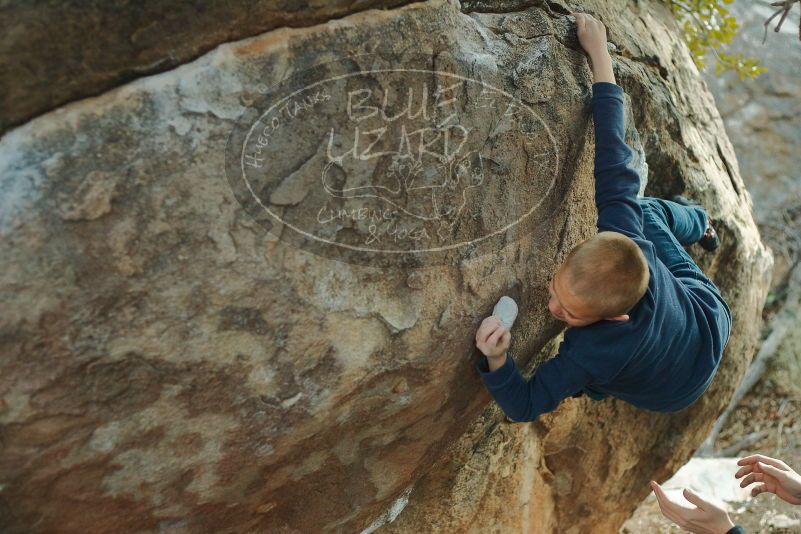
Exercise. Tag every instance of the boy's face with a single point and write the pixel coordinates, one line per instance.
(565, 306)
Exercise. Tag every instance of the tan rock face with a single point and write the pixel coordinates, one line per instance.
(168, 364)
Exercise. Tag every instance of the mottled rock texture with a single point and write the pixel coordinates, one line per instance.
(167, 365)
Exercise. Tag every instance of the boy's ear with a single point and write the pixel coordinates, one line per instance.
(624, 317)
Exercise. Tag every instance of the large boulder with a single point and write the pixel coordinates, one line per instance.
(184, 349)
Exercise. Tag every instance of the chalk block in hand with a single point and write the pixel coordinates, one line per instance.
(506, 311)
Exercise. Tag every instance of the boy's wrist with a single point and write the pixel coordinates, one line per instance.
(602, 66)
(496, 362)
(599, 56)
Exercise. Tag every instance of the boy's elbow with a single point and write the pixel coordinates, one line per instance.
(529, 407)
(519, 420)
(522, 416)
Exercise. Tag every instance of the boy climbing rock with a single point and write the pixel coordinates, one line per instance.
(645, 324)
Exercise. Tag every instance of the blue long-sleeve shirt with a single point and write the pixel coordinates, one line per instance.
(665, 356)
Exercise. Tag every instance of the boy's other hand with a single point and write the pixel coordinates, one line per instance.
(492, 339)
(591, 34)
(706, 518)
(775, 476)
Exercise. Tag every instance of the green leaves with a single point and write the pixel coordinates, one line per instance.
(708, 26)
(745, 67)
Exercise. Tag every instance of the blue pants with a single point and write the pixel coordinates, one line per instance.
(668, 226)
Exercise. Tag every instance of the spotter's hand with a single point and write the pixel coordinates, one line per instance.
(772, 475)
(706, 517)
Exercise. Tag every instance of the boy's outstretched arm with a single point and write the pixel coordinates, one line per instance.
(616, 184)
(519, 399)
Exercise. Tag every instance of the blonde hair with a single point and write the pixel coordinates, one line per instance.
(608, 273)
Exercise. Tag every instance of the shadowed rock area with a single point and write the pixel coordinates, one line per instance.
(169, 365)
(102, 44)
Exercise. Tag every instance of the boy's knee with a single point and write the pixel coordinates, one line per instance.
(702, 213)
(646, 201)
